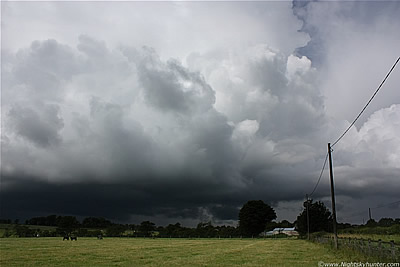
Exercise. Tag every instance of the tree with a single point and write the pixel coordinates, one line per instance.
(227, 231)
(173, 230)
(319, 216)
(66, 224)
(69, 222)
(385, 222)
(5, 221)
(50, 220)
(146, 228)
(115, 230)
(93, 222)
(371, 223)
(285, 224)
(254, 216)
(24, 231)
(205, 229)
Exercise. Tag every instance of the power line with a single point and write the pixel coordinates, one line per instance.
(385, 205)
(387, 75)
(320, 175)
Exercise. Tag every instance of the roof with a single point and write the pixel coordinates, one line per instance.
(284, 229)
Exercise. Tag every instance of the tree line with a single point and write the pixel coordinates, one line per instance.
(254, 217)
(320, 219)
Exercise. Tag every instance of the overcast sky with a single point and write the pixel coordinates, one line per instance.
(184, 111)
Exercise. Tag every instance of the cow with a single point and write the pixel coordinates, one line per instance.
(74, 238)
(66, 237)
(99, 237)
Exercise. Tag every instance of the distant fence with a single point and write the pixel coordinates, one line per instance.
(377, 248)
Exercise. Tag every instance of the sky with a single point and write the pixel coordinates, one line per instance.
(184, 111)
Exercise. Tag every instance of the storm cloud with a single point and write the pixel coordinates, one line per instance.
(192, 110)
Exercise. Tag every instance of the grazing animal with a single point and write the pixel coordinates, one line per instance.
(66, 237)
(99, 237)
(74, 238)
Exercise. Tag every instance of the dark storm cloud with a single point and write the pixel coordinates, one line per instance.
(157, 145)
(124, 201)
(95, 128)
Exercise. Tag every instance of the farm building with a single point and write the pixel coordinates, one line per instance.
(287, 231)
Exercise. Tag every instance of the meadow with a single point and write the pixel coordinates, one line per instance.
(52, 251)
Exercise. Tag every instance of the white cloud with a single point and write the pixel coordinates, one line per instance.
(358, 44)
(377, 143)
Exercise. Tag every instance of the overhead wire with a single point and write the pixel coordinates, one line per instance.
(369, 101)
(345, 132)
(320, 175)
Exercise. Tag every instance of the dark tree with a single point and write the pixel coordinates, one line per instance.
(173, 230)
(146, 228)
(66, 224)
(24, 231)
(319, 215)
(93, 222)
(371, 223)
(5, 221)
(254, 216)
(206, 229)
(69, 222)
(227, 231)
(50, 220)
(386, 222)
(285, 224)
(116, 230)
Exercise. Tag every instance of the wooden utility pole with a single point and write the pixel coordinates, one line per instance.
(308, 219)
(333, 196)
(369, 211)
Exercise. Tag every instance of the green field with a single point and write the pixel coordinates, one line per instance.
(165, 252)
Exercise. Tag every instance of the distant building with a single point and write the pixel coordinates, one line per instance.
(276, 231)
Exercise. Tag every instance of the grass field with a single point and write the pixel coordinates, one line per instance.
(165, 252)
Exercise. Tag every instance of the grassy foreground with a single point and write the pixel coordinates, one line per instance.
(164, 252)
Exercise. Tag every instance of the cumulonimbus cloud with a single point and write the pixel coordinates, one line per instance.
(209, 130)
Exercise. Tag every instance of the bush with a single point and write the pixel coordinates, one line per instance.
(24, 231)
(318, 234)
(377, 230)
